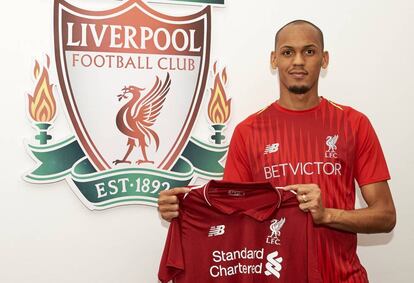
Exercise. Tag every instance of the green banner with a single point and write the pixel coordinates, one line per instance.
(103, 189)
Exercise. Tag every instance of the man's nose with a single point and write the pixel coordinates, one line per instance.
(298, 59)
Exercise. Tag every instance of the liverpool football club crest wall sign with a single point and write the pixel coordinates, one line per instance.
(132, 82)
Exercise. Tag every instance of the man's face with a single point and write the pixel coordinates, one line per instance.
(299, 57)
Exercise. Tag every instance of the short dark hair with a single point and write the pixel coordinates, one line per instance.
(298, 22)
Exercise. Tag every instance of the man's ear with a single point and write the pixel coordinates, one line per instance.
(325, 60)
(273, 60)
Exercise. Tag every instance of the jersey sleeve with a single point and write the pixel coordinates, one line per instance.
(237, 167)
(172, 261)
(370, 165)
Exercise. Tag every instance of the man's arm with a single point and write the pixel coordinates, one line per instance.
(378, 217)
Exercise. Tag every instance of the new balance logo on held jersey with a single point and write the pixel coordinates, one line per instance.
(271, 148)
(216, 230)
(273, 265)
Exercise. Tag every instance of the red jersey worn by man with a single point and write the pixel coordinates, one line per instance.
(230, 232)
(329, 145)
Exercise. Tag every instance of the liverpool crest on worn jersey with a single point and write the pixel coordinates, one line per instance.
(331, 144)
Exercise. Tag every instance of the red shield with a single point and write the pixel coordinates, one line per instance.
(132, 80)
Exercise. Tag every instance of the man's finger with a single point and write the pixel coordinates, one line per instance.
(301, 188)
(290, 188)
(170, 196)
(304, 207)
(168, 216)
(168, 208)
(175, 191)
(165, 200)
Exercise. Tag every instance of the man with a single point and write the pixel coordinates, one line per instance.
(307, 144)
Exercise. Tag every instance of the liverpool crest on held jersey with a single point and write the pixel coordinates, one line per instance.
(275, 227)
(132, 82)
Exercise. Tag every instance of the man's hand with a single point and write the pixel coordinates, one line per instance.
(378, 217)
(310, 200)
(168, 203)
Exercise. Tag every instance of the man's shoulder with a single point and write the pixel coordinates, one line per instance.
(255, 117)
(349, 111)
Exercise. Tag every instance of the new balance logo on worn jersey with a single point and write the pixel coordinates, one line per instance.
(216, 230)
(271, 148)
(273, 265)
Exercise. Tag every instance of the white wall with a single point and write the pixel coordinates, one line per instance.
(47, 235)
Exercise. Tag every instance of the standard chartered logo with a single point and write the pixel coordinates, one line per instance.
(230, 263)
(245, 261)
(273, 265)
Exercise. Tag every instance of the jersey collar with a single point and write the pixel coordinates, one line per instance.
(321, 104)
(258, 200)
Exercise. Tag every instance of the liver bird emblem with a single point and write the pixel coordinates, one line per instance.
(138, 115)
(276, 226)
(331, 142)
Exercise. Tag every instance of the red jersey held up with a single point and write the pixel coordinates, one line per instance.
(241, 233)
(329, 145)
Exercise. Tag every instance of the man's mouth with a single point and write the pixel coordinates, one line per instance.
(298, 74)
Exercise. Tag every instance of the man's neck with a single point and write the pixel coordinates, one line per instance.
(299, 101)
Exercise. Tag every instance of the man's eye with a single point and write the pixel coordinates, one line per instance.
(310, 52)
(287, 53)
